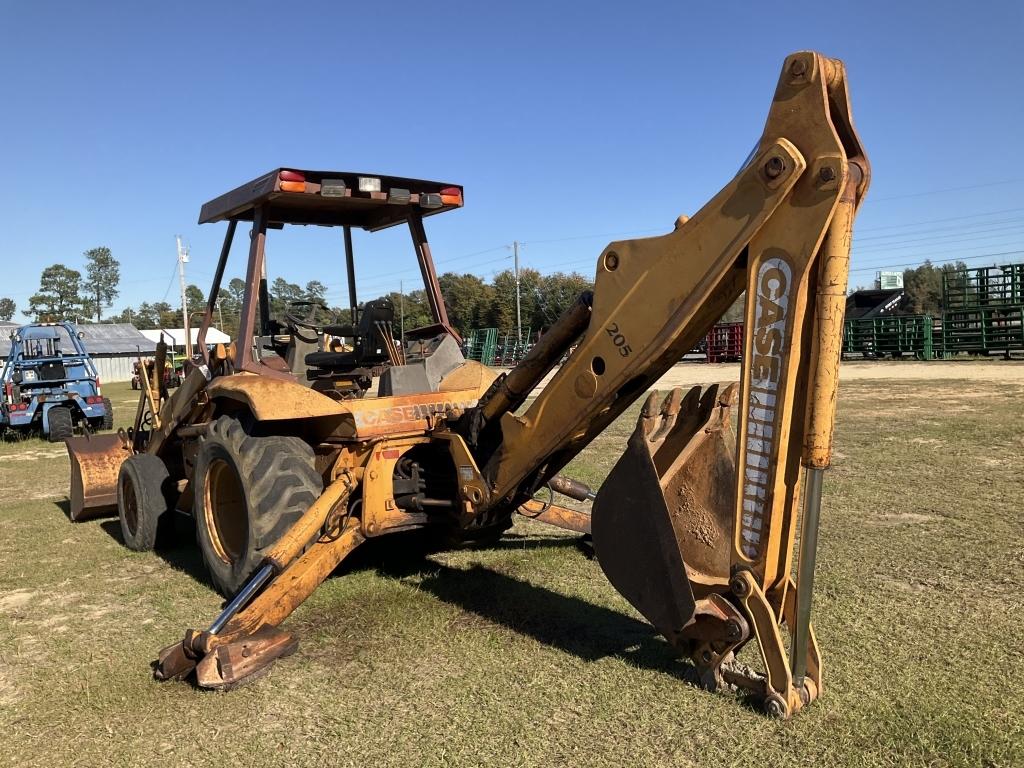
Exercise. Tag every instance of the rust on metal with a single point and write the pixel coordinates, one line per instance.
(379, 417)
(274, 399)
(667, 503)
(556, 515)
(429, 274)
(244, 660)
(95, 463)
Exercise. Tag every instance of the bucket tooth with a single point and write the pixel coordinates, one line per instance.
(662, 521)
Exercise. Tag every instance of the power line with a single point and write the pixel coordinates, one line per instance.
(949, 189)
(946, 261)
(171, 281)
(903, 244)
(979, 226)
(940, 221)
(927, 253)
(602, 234)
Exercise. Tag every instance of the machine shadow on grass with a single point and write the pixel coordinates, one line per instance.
(583, 629)
(181, 554)
(575, 626)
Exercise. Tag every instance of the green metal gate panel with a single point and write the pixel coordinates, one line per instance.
(481, 345)
(511, 349)
(983, 287)
(983, 329)
(890, 336)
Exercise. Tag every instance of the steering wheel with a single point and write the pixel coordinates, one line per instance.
(309, 322)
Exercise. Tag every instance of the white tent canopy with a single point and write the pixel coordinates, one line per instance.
(176, 336)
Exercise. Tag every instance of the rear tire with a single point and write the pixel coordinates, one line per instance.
(61, 424)
(108, 414)
(145, 499)
(248, 491)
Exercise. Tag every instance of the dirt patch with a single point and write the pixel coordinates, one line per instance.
(30, 455)
(902, 518)
(15, 599)
(911, 587)
(8, 690)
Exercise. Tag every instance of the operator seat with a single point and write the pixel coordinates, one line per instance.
(367, 342)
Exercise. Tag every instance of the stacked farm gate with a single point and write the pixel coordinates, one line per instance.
(512, 348)
(890, 336)
(725, 343)
(983, 310)
(482, 345)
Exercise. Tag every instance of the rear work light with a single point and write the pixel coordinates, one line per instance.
(430, 200)
(397, 196)
(451, 196)
(333, 188)
(369, 184)
(292, 181)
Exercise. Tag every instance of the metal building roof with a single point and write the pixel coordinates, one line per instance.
(98, 338)
(175, 337)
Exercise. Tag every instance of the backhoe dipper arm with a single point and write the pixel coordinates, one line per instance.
(781, 230)
(654, 298)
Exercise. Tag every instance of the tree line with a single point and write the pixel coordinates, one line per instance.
(470, 301)
(66, 294)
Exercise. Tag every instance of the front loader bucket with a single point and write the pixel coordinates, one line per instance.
(662, 521)
(95, 463)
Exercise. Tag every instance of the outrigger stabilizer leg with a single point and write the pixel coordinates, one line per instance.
(244, 640)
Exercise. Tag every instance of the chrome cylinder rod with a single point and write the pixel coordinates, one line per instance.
(261, 577)
(805, 574)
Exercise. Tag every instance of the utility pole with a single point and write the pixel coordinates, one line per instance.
(401, 304)
(519, 315)
(182, 260)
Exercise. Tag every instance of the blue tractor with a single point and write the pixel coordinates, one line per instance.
(50, 384)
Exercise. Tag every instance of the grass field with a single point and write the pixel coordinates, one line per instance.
(523, 654)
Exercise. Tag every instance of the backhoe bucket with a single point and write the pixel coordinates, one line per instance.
(662, 521)
(95, 463)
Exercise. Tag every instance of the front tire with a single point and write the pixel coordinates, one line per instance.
(108, 414)
(145, 497)
(61, 424)
(249, 490)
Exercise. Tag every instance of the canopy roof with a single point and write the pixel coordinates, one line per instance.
(333, 198)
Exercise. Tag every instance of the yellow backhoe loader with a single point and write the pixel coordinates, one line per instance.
(286, 472)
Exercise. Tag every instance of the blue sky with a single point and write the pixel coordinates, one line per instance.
(569, 124)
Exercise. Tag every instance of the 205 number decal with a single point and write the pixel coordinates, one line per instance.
(618, 339)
